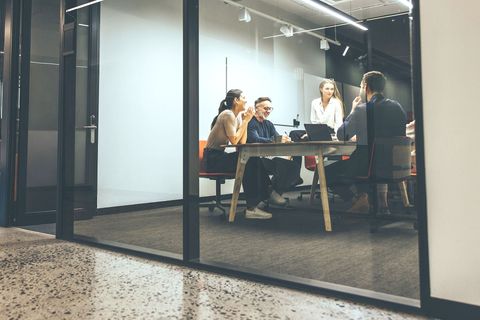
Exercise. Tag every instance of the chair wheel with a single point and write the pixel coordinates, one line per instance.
(211, 208)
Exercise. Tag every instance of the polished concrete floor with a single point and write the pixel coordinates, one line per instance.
(44, 278)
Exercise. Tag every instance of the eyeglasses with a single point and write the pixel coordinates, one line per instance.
(268, 108)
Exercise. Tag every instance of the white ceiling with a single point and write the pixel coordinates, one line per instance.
(295, 9)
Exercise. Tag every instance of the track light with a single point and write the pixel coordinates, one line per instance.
(287, 30)
(324, 44)
(334, 13)
(83, 5)
(346, 50)
(244, 15)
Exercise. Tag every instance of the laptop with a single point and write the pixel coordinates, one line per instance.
(318, 132)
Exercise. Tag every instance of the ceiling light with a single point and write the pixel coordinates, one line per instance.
(83, 5)
(406, 3)
(287, 30)
(324, 44)
(328, 10)
(346, 50)
(244, 15)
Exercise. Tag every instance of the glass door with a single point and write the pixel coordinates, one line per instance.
(37, 115)
(86, 117)
(79, 118)
(122, 167)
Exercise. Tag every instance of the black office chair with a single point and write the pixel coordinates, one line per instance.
(390, 162)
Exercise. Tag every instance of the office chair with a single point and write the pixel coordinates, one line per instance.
(218, 177)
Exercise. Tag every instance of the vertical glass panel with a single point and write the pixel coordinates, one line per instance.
(130, 149)
(357, 230)
(81, 96)
(43, 107)
(2, 53)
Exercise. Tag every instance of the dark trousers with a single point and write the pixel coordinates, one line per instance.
(255, 179)
(220, 161)
(255, 182)
(340, 174)
(285, 172)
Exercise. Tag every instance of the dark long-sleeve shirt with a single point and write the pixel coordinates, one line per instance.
(389, 118)
(261, 131)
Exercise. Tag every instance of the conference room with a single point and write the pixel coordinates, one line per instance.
(284, 51)
(127, 75)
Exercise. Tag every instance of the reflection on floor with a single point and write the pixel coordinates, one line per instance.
(44, 228)
(45, 278)
(292, 243)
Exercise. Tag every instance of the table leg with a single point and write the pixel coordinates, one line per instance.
(241, 163)
(323, 192)
(314, 186)
(403, 191)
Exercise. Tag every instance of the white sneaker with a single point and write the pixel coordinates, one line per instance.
(277, 199)
(257, 213)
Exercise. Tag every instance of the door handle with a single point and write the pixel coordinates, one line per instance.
(92, 127)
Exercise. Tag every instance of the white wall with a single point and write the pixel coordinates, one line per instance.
(450, 79)
(140, 104)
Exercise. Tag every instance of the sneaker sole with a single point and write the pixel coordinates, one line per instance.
(258, 217)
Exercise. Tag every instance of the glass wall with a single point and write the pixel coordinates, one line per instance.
(2, 53)
(360, 231)
(42, 105)
(128, 140)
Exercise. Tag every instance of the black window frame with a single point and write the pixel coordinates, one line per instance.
(191, 239)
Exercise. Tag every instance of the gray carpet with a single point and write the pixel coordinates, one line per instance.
(293, 243)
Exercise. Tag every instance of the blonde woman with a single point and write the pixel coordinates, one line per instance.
(328, 109)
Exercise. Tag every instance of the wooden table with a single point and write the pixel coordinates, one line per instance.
(317, 148)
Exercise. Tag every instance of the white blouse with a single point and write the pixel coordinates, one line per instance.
(332, 115)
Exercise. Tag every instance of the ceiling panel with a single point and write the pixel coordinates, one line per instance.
(305, 16)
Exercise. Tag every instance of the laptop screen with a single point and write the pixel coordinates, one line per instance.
(318, 132)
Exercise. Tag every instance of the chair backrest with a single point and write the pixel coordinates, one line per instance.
(391, 158)
(201, 146)
(310, 163)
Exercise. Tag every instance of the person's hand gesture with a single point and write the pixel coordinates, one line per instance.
(286, 139)
(355, 103)
(248, 114)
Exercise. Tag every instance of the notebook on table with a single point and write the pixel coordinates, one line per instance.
(318, 132)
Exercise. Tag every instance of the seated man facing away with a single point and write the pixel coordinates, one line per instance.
(285, 172)
(389, 120)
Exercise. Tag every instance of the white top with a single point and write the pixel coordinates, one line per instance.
(332, 115)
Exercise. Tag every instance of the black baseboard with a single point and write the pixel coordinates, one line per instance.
(446, 309)
(140, 207)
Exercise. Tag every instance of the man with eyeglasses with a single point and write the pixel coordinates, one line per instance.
(285, 172)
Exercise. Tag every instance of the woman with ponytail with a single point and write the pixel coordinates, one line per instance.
(227, 127)
(230, 126)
